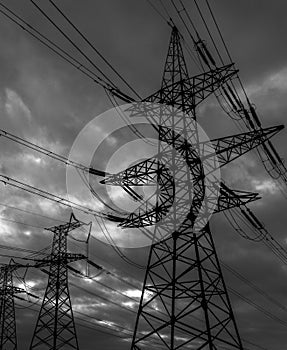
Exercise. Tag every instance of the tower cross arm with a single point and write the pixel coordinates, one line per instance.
(65, 227)
(229, 148)
(11, 290)
(230, 198)
(65, 258)
(141, 174)
(195, 89)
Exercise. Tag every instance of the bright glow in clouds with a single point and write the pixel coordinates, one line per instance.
(15, 106)
(277, 80)
(265, 186)
(133, 293)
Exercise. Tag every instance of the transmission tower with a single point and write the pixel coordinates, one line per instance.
(183, 276)
(55, 327)
(8, 337)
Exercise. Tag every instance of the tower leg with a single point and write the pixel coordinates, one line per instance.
(185, 287)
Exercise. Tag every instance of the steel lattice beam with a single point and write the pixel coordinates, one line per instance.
(183, 276)
(192, 91)
(55, 327)
(8, 336)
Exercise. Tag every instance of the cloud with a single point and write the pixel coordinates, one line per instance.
(46, 101)
(265, 186)
(8, 232)
(16, 108)
(269, 94)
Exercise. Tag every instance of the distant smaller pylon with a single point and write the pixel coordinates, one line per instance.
(55, 328)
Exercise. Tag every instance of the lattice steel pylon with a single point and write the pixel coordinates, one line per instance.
(8, 336)
(55, 328)
(183, 278)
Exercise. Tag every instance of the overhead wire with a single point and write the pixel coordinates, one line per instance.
(122, 115)
(104, 298)
(242, 112)
(254, 287)
(184, 23)
(165, 9)
(257, 289)
(267, 313)
(157, 11)
(30, 212)
(274, 169)
(114, 246)
(208, 31)
(258, 307)
(170, 22)
(6, 180)
(276, 250)
(94, 193)
(93, 47)
(261, 235)
(20, 22)
(243, 279)
(32, 251)
(79, 167)
(235, 292)
(218, 29)
(27, 212)
(19, 222)
(72, 42)
(46, 248)
(23, 142)
(71, 60)
(102, 324)
(130, 298)
(24, 250)
(278, 167)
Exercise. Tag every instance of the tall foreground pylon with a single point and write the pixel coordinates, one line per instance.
(183, 277)
(184, 302)
(55, 328)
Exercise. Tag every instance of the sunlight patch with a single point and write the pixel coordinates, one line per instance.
(265, 186)
(15, 107)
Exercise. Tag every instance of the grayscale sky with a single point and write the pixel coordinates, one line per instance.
(47, 101)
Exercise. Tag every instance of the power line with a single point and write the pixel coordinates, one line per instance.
(158, 11)
(72, 43)
(238, 275)
(20, 22)
(264, 311)
(113, 244)
(93, 47)
(49, 153)
(101, 323)
(254, 287)
(19, 222)
(30, 212)
(258, 307)
(6, 180)
(226, 266)
(44, 40)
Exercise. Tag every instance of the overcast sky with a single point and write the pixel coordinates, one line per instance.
(47, 101)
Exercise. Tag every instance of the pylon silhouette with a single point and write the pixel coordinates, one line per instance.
(55, 328)
(183, 277)
(8, 336)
